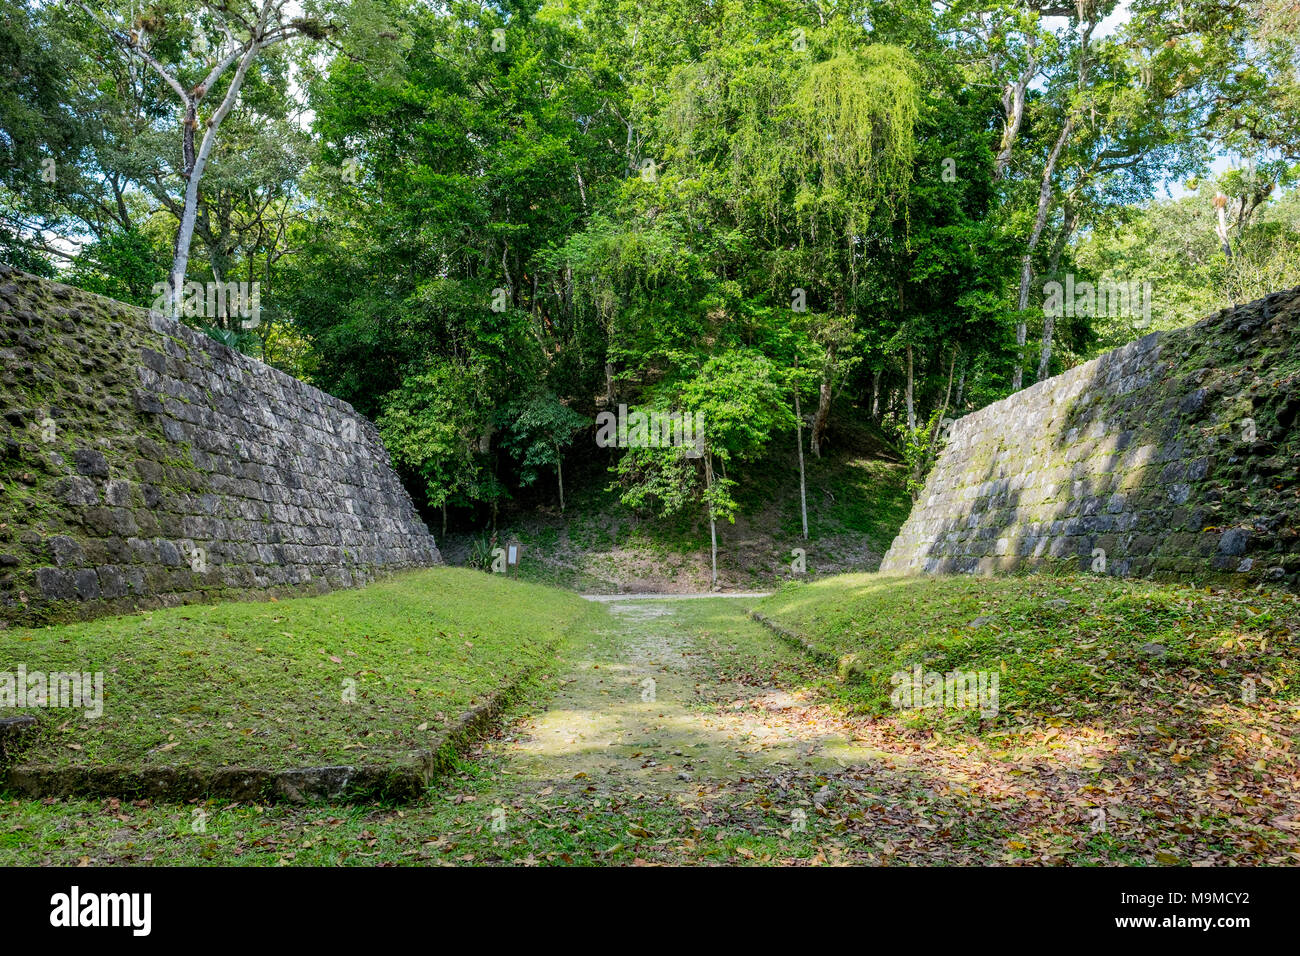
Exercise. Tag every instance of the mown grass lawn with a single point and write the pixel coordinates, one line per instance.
(1074, 647)
(360, 676)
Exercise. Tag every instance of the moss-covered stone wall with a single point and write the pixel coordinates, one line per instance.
(143, 463)
(1176, 455)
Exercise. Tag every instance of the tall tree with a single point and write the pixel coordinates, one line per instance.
(205, 79)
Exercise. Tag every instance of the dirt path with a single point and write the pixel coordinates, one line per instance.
(683, 596)
(672, 699)
(684, 732)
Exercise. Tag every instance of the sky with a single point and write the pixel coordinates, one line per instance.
(1118, 17)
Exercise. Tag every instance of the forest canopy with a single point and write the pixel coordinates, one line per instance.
(483, 224)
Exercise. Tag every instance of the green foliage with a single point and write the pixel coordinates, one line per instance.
(1172, 245)
(663, 481)
(240, 340)
(920, 448)
(742, 403)
(479, 238)
(536, 432)
(125, 265)
(480, 555)
(431, 425)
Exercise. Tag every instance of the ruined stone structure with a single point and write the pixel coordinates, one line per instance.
(1176, 455)
(143, 463)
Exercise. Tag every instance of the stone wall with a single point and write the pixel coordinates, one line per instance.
(1176, 455)
(142, 463)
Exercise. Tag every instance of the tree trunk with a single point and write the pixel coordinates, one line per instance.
(875, 396)
(1027, 260)
(1068, 222)
(911, 407)
(195, 164)
(803, 494)
(1045, 191)
(713, 525)
(189, 212)
(823, 402)
(947, 393)
(1221, 227)
(559, 475)
(923, 460)
(582, 187)
(1013, 102)
(219, 277)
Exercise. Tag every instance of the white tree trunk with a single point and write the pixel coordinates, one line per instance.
(1013, 102)
(261, 34)
(1027, 260)
(1068, 223)
(190, 207)
(1045, 188)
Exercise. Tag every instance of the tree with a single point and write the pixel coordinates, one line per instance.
(432, 430)
(182, 57)
(740, 398)
(40, 137)
(536, 431)
(125, 264)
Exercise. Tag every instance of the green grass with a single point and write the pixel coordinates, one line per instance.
(1172, 709)
(1074, 648)
(1185, 770)
(263, 684)
(571, 829)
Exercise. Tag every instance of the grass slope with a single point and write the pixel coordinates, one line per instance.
(744, 731)
(1076, 647)
(262, 684)
(1172, 709)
